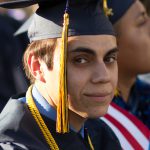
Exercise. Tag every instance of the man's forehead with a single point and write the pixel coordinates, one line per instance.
(85, 38)
(92, 42)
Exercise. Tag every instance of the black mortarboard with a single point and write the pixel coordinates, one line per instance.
(119, 7)
(86, 17)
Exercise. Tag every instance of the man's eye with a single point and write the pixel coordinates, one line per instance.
(80, 60)
(110, 59)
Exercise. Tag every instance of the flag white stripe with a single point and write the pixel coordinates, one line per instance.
(122, 139)
(130, 126)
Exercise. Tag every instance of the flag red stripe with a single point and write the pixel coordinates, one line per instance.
(125, 132)
(136, 121)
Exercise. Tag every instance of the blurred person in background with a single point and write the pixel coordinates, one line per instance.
(132, 26)
(146, 77)
(12, 78)
(129, 114)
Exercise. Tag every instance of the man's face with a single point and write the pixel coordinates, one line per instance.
(134, 40)
(91, 74)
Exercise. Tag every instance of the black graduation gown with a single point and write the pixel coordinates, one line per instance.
(19, 131)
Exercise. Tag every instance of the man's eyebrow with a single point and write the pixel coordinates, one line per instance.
(111, 51)
(84, 50)
(92, 52)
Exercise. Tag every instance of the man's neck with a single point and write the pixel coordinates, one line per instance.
(76, 121)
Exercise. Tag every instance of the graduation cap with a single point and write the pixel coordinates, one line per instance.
(81, 17)
(119, 8)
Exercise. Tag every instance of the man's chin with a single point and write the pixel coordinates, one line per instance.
(99, 114)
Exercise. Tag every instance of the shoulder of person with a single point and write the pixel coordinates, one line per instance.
(10, 119)
(11, 115)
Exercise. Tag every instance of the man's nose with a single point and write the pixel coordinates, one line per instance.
(100, 73)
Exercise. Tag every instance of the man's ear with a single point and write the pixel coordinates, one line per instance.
(35, 67)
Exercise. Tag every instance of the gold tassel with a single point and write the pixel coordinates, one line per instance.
(107, 11)
(116, 92)
(62, 125)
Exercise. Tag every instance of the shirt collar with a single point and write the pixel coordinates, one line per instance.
(43, 106)
(46, 109)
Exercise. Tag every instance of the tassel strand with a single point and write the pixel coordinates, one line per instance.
(62, 125)
(108, 11)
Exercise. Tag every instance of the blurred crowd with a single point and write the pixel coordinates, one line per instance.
(12, 76)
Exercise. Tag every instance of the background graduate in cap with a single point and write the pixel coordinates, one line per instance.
(132, 26)
(71, 63)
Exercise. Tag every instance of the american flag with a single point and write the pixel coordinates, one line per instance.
(131, 132)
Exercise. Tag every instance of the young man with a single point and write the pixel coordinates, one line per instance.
(28, 122)
(132, 26)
